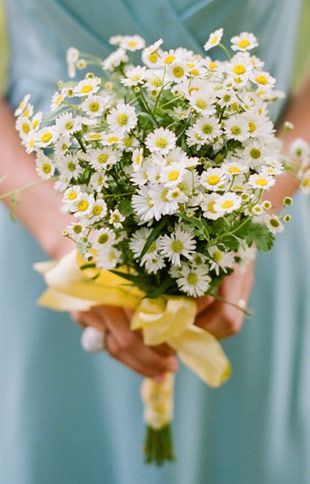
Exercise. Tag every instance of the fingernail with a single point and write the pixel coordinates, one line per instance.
(172, 364)
(159, 378)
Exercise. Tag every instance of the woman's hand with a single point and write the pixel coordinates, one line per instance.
(125, 345)
(223, 319)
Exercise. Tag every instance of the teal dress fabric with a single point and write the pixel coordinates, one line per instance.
(71, 418)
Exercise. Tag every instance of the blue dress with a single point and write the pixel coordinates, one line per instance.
(70, 418)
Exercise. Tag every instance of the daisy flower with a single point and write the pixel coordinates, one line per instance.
(161, 141)
(263, 79)
(221, 259)
(134, 76)
(131, 42)
(244, 41)
(261, 181)
(83, 205)
(274, 224)
(116, 218)
(236, 127)
(172, 174)
(203, 102)
(46, 136)
(114, 60)
(23, 105)
(305, 182)
(45, 167)
(109, 259)
(122, 118)
(214, 179)
(214, 39)
(95, 105)
(70, 166)
(208, 207)
(102, 238)
(207, 128)
(143, 204)
(87, 87)
(76, 232)
(138, 240)
(102, 158)
(67, 124)
(194, 281)
(227, 203)
(137, 159)
(179, 243)
(150, 55)
(177, 72)
(98, 211)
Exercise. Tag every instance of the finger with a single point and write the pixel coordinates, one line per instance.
(131, 343)
(139, 366)
(203, 303)
(88, 318)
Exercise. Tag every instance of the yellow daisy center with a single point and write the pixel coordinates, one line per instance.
(83, 205)
(192, 278)
(261, 182)
(178, 71)
(86, 88)
(169, 59)
(122, 119)
(46, 137)
(213, 180)
(46, 168)
(177, 246)
(227, 204)
(239, 69)
(161, 143)
(243, 43)
(173, 175)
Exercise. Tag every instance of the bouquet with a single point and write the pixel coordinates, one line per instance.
(164, 168)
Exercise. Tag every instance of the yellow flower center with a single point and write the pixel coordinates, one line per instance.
(236, 130)
(97, 210)
(93, 107)
(239, 69)
(255, 153)
(217, 255)
(153, 57)
(103, 238)
(152, 248)
(71, 166)
(201, 104)
(112, 139)
(194, 72)
(261, 79)
(261, 182)
(213, 179)
(122, 119)
(132, 43)
(177, 246)
(87, 88)
(83, 205)
(103, 158)
(35, 123)
(305, 182)
(178, 71)
(243, 43)
(161, 143)
(227, 204)
(252, 126)
(25, 128)
(46, 168)
(207, 129)
(173, 175)
(169, 59)
(69, 125)
(211, 207)
(72, 196)
(214, 40)
(234, 169)
(94, 136)
(46, 137)
(212, 65)
(192, 278)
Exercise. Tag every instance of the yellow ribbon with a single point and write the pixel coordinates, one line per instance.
(168, 319)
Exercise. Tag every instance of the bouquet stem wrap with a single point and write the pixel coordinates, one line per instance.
(167, 319)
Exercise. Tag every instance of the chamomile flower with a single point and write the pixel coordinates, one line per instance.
(172, 175)
(87, 87)
(220, 260)
(137, 159)
(234, 168)
(300, 151)
(261, 181)
(161, 141)
(115, 59)
(103, 158)
(108, 259)
(102, 238)
(131, 42)
(236, 127)
(214, 39)
(214, 179)
(116, 218)
(143, 204)
(240, 67)
(23, 106)
(193, 280)
(208, 207)
(98, 181)
(98, 211)
(134, 76)
(46, 136)
(203, 102)
(263, 79)
(153, 263)
(110, 139)
(83, 205)
(72, 57)
(70, 166)
(122, 118)
(71, 195)
(180, 243)
(244, 42)
(23, 126)
(67, 124)
(138, 240)
(151, 55)
(94, 106)
(45, 167)
(207, 128)
(228, 203)
(274, 224)
(177, 72)
(76, 232)
(305, 182)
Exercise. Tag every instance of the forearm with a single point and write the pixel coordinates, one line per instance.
(297, 112)
(39, 207)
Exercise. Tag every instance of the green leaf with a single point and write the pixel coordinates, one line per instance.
(153, 235)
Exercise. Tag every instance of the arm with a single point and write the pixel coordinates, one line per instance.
(39, 212)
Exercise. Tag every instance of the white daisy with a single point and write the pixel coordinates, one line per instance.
(161, 141)
(46, 136)
(131, 42)
(134, 76)
(87, 87)
(221, 259)
(102, 238)
(137, 159)
(203, 102)
(83, 205)
(103, 158)
(236, 127)
(94, 106)
(214, 39)
(261, 181)
(98, 211)
(227, 203)
(45, 167)
(143, 204)
(207, 128)
(122, 118)
(116, 218)
(214, 179)
(172, 175)
(67, 124)
(208, 207)
(244, 41)
(108, 259)
(179, 243)
(115, 59)
(274, 224)
(194, 281)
